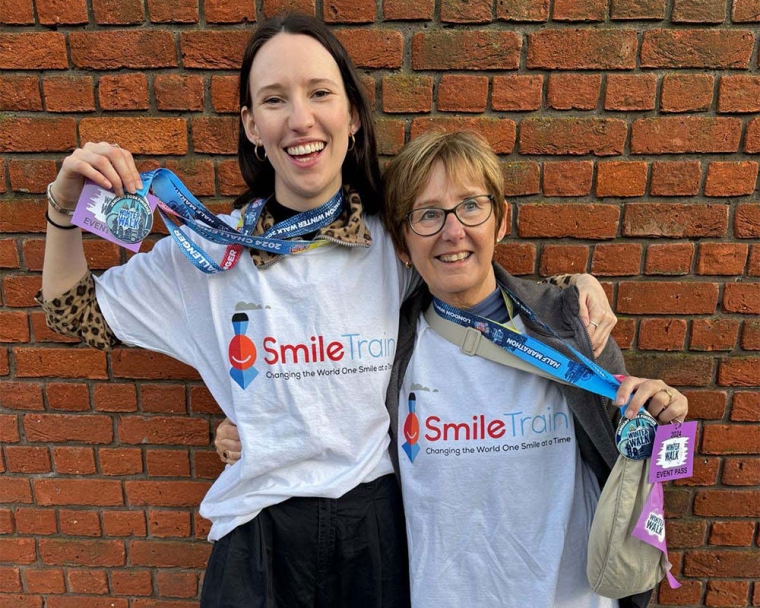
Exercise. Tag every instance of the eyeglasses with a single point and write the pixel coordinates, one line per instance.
(472, 211)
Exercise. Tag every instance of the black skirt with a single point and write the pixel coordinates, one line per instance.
(316, 553)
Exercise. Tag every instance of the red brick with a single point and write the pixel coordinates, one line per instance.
(230, 180)
(31, 175)
(751, 335)
(400, 10)
(731, 178)
(10, 580)
(67, 396)
(741, 472)
(517, 93)
(6, 519)
(178, 92)
(458, 93)
(753, 266)
(713, 334)
(131, 582)
(33, 51)
(582, 49)
(473, 11)
(74, 461)
(373, 48)
(521, 178)
(118, 12)
(167, 399)
(84, 492)
(560, 259)
(17, 550)
(22, 216)
(696, 48)
(87, 581)
(37, 134)
(173, 11)
(498, 132)
(470, 50)
(349, 11)
(14, 327)
(115, 397)
(22, 396)
(662, 334)
(732, 533)
(79, 523)
(77, 601)
(224, 94)
(746, 407)
(139, 135)
(689, 592)
(630, 92)
(722, 258)
(740, 93)
(120, 461)
(687, 92)
(104, 49)
(179, 430)
(17, 12)
(59, 428)
(27, 459)
(705, 472)
(568, 178)
(215, 135)
(390, 136)
(621, 179)
(407, 93)
(522, 10)
(742, 298)
(685, 533)
(169, 554)
(672, 297)
(229, 11)
(573, 91)
(577, 221)
(166, 493)
(744, 11)
(623, 333)
(169, 524)
(20, 94)
(123, 92)
(9, 257)
(207, 465)
(726, 593)
(579, 10)
(20, 601)
(675, 220)
(54, 12)
(698, 11)
(682, 134)
(674, 369)
(638, 9)
(19, 292)
(739, 372)
(177, 584)
(70, 552)
(576, 136)
(124, 523)
(747, 221)
(36, 521)
(68, 94)
(168, 463)
(706, 405)
(752, 136)
(678, 178)
(275, 7)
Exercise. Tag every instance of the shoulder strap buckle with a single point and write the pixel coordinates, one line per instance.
(471, 341)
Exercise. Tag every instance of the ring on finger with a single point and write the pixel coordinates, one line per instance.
(225, 456)
(670, 396)
(115, 145)
(595, 324)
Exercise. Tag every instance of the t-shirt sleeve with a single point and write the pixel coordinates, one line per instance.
(144, 303)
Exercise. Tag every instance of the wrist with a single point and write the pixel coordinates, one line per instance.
(56, 203)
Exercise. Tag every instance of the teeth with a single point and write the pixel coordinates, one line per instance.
(455, 257)
(305, 149)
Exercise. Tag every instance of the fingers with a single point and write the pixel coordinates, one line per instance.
(594, 312)
(227, 442)
(107, 165)
(663, 402)
(600, 328)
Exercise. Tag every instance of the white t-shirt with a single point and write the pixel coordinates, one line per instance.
(298, 355)
(498, 502)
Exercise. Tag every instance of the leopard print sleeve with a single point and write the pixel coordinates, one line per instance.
(560, 280)
(77, 314)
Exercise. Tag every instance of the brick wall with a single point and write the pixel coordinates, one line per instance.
(629, 135)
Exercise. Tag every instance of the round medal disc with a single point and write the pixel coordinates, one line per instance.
(635, 437)
(129, 218)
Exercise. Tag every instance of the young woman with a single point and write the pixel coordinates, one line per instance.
(297, 350)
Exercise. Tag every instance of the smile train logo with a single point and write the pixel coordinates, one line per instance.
(242, 352)
(411, 430)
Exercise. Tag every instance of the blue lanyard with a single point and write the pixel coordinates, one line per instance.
(584, 374)
(177, 201)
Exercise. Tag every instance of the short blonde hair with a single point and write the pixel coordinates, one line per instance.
(463, 153)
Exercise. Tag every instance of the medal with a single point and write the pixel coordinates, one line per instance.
(635, 437)
(129, 218)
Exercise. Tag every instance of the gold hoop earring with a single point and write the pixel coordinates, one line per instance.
(256, 153)
(352, 145)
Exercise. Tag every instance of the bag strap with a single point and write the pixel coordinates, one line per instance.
(471, 342)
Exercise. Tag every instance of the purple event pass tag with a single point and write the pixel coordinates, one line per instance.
(651, 527)
(673, 452)
(125, 220)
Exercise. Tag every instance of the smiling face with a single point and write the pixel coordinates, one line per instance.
(456, 262)
(300, 113)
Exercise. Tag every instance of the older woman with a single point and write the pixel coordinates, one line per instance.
(501, 488)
